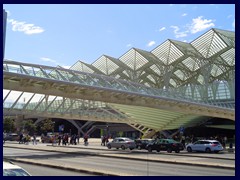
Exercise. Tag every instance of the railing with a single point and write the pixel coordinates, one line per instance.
(96, 80)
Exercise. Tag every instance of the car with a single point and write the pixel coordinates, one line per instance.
(205, 146)
(11, 137)
(47, 139)
(10, 169)
(122, 142)
(142, 143)
(168, 145)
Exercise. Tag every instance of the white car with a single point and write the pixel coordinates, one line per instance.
(205, 145)
(10, 169)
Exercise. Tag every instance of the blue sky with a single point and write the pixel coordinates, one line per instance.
(63, 34)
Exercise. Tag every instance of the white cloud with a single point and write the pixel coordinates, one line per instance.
(170, 4)
(24, 27)
(56, 63)
(161, 29)
(129, 45)
(229, 16)
(199, 24)
(66, 67)
(177, 33)
(48, 60)
(184, 14)
(151, 43)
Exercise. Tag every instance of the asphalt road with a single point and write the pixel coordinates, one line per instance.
(124, 166)
(35, 170)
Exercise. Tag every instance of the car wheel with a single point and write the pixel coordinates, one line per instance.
(177, 151)
(117, 148)
(131, 148)
(123, 147)
(189, 149)
(169, 150)
(208, 150)
(149, 149)
(158, 150)
(109, 146)
(139, 147)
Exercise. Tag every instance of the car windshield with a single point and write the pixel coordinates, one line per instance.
(15, 172)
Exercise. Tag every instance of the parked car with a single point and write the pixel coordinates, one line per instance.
(11, 137)
(122, 142)
(168, 145)
(47, 139)
(142, 143)
(205, 146)
(10, 169)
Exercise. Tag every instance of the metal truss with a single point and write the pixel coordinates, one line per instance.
(183, 81)
(59, 107)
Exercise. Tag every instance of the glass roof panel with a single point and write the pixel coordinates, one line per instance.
(200, 79)
(229, 57)
(105, 65)
(180, 74)
(173, 83)
(129, 59)
(191, 63)
(216, 71)
(203, 43)
(140, 61)
(80, 66)
(162, 52)
(156, 69)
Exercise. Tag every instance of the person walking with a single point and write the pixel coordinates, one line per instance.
(85, 139)
(34, 139)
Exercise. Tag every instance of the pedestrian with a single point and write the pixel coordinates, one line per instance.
(183, 141)
(34, 139)
(21, 138)
(85, 139)
(102, 140)
(59, 139)
(78, 138)
(225, 140)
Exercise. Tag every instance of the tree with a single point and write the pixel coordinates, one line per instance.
(9, 125)
(29, 126)
(46, 125)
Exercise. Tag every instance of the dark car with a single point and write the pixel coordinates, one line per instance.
(11, 137)
(168, 145)
(142, 143)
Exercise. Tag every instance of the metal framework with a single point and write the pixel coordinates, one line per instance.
(177, 83)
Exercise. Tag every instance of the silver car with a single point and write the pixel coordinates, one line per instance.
(122, 142)
(10, 169)
(205, 145)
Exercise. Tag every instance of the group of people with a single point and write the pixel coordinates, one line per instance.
(25, 139)
(74, 139)
(104, 140)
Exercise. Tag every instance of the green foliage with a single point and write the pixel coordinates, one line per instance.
(29, 126)
(120, 133)
(9, 125)
(46, 125)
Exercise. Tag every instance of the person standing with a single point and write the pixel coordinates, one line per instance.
(225, 140)
(34, 139)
